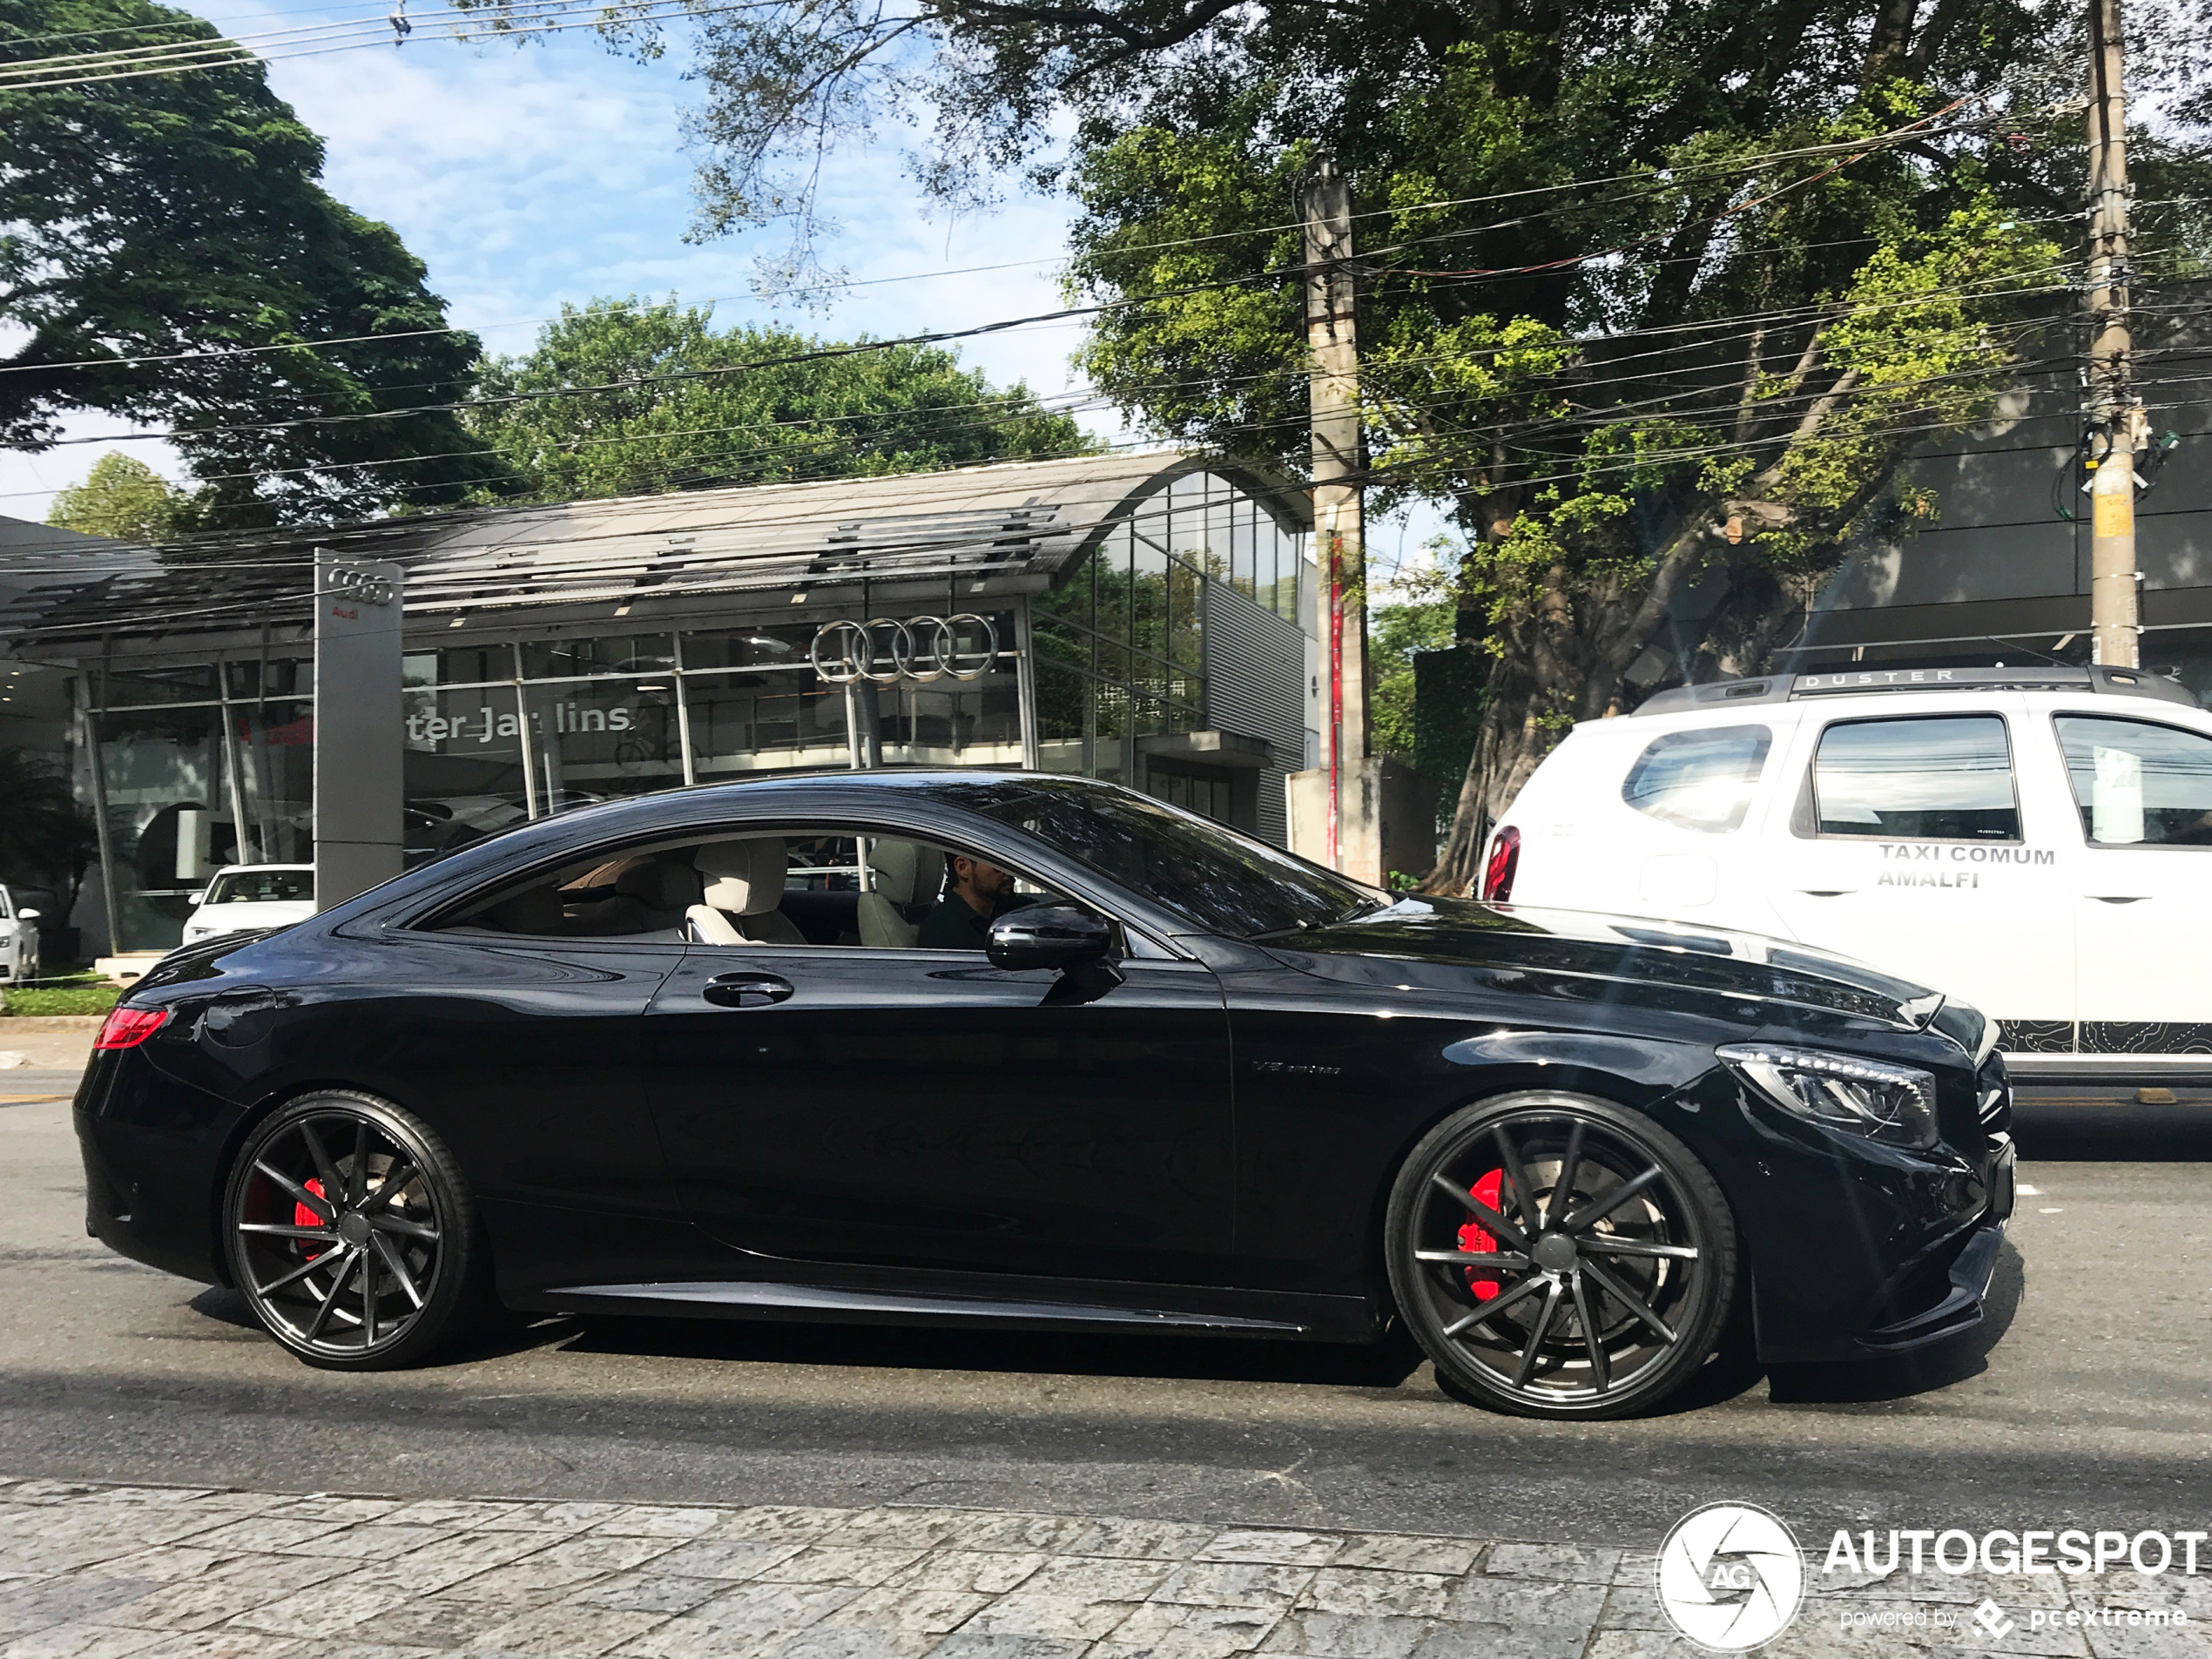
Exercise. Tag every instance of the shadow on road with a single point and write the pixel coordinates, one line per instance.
(2090, 1126)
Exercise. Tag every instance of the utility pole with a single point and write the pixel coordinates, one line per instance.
(1334, 417)
(2113, 600)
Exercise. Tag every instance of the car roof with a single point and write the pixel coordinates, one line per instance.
(236, 869)
(1879, 682)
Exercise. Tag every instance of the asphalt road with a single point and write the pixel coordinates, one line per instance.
(2084, 1401)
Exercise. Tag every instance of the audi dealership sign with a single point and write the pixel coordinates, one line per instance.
(884, 650)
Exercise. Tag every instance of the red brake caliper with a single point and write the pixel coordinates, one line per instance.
(1472, 1236)
(303, 1216)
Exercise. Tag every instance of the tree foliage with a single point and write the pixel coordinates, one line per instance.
(691, 405)
(46, 838)
(178, 217)
(1417, 613)
(123, 499)
(1656, 294)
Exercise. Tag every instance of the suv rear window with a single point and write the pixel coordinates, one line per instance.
(1938, 778)
(2139, 783)
(1699, 780)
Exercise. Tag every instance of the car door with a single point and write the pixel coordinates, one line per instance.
(922, 1108)
(2143, 880)
(1910, 847)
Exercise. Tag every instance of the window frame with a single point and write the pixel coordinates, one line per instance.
(2081, 811)
(1804, 819)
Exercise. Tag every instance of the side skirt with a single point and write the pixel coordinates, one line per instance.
(1294, 1318)
(743, 1299)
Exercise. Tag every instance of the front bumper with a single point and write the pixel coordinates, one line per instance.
(1857, 1252)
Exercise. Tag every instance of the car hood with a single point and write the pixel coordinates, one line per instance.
(1629, 949)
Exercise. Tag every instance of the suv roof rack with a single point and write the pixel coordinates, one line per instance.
(1782, 688)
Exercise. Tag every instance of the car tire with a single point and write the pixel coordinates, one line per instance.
(1644, 1254)
(406, 1269)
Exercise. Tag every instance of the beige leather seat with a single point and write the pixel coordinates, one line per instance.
(744, 885)
(905, 873)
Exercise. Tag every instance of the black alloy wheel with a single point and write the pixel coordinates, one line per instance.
(1559, 1256)
(351, 1233)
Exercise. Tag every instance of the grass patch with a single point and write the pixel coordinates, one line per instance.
(59, 999)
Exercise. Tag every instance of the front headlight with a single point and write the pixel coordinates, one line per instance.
(1891, 1103)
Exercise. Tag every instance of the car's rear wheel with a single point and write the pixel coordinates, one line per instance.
(351, 1234)
(1560, 1256)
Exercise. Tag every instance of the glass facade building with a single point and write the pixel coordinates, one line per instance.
(1092, 645)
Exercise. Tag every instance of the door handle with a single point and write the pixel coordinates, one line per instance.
(2120, 898)
(744, 990)
(1826, 893)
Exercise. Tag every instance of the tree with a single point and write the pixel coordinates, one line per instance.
(177, 217)
(120, 498)
(46, 838)
(1419, 613)
(898, 410)
(1656, 292)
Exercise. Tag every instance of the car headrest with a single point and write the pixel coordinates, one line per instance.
(745, 878)
(906, 872)
(659, 885)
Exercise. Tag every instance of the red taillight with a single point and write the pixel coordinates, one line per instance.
(128, 1028)
(1505, 859)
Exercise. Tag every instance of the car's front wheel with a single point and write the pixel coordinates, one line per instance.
(351, 1234)
(1560, 1256)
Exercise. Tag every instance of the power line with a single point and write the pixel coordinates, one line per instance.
(1742, 163)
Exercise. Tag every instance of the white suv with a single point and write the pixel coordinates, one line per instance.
(2035, 841)
(18, 941)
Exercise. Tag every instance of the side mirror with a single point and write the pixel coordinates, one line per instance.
(195, 898)
(26, 915)
(1049, 935)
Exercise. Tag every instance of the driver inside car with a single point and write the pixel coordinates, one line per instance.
(980, 894)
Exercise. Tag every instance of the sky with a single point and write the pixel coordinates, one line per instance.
(530, 176)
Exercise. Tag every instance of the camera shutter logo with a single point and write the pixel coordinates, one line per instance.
(1730, 1576)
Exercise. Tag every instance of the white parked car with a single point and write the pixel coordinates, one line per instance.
(2037, 842)
(252, 895)
(18, 941)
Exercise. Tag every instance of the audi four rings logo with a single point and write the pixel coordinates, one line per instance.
(885, 649)
(1730, 1576)
(364, 585)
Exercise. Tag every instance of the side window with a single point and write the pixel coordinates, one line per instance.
(1936, 778)
(630, 895)
(919, 895)
(1699, 780)
(2139, 783)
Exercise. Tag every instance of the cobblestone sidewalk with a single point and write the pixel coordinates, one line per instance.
(106, 1572)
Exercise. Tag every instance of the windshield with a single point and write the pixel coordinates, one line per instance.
(263, 886)
(1225, 882)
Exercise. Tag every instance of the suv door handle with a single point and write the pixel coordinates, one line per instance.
(1826, 893)
(2120, 898)
(745, 990)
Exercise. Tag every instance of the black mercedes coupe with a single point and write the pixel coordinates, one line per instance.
(688, 1054)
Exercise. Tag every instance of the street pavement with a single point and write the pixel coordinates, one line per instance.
(2083, 1401)
(112, 1572)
